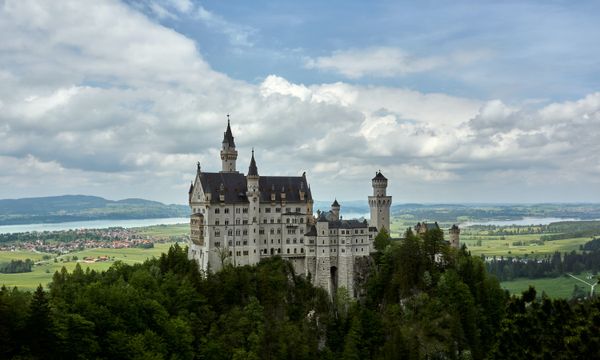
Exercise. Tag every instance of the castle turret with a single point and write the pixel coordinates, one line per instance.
(253, 195)
(335, 210)
(380, 203)
(454, 236)
(228, 152)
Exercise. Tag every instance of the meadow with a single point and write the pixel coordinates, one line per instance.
(44, 269)
(559, 287)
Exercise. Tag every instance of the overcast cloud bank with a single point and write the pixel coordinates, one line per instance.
(98, 98)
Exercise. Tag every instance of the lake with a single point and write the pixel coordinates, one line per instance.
(92, 224)
(521, 222)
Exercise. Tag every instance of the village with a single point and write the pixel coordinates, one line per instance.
(66, 241)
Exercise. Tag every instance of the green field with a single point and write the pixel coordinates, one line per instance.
(560, 287)
(164, 231)
(496, 247)
(43, 270)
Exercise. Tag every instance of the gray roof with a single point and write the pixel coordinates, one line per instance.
(379, 176)
(335, 203)
(348, 224)
(312, 231)
(228, 135)
(252, 169)
(235, 187)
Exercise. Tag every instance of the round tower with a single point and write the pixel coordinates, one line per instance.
(228, 152)
(380, 203)
(253, 195)
(454, 236)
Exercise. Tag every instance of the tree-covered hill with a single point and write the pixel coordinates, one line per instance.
(82, 207)
(415, 305)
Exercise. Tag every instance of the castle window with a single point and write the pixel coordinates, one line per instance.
(217, 233)
(288, 251)
(237, 232)
(245, 210)
(245, 231)
(278, 231)
(230, 253)
(311, 241)
(277, 210)
(217, 244)
(245, 242)
(297, 210)
(245, 222)
(279, 241)
(271, 241)
(229, 243)
(279, 221)
(287, 241)
(237, 211)
(302, 250)
(217, 222)
(288, 210)
(264, 221)
(237, 243)
(301, 240)
(287, 220)
(226, 210)
(245, 252)
(261, 231)
(217, 210)
(272, 231)
(295, 241)
(362, 231)
(301, 220)
(295, 250)
(268, 210)
(226, 222)
(237, 221)
(343, 250)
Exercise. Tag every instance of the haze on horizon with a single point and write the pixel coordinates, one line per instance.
(469, 102)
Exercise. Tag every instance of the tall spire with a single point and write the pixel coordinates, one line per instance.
(252, 170)
(228, 135)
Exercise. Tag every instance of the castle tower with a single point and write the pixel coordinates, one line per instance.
(228, 152)
(454, 236)
(253, 195)
(380, 203)
(335, 210)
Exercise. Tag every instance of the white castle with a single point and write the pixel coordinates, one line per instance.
(240, 219)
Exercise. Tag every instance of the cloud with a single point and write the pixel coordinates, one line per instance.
(238, 35)
(129, 113)
(387, 62)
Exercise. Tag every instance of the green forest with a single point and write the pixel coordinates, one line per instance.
(414, 305)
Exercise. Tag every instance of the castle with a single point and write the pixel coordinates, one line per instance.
(240, 219)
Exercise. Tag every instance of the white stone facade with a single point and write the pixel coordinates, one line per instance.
(239, 219)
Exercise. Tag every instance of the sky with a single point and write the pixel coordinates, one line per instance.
(454, 101)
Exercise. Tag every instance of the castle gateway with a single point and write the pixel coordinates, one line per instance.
(239, 219)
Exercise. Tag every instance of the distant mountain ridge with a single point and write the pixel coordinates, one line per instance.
(54, 209)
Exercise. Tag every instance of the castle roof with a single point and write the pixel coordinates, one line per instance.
(312, 231)
(228, 135)
(252, 170)
(235, 187)
(379, 176)
(348, 224)
(335, 203)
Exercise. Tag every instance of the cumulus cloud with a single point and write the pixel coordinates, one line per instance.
(99, 99)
